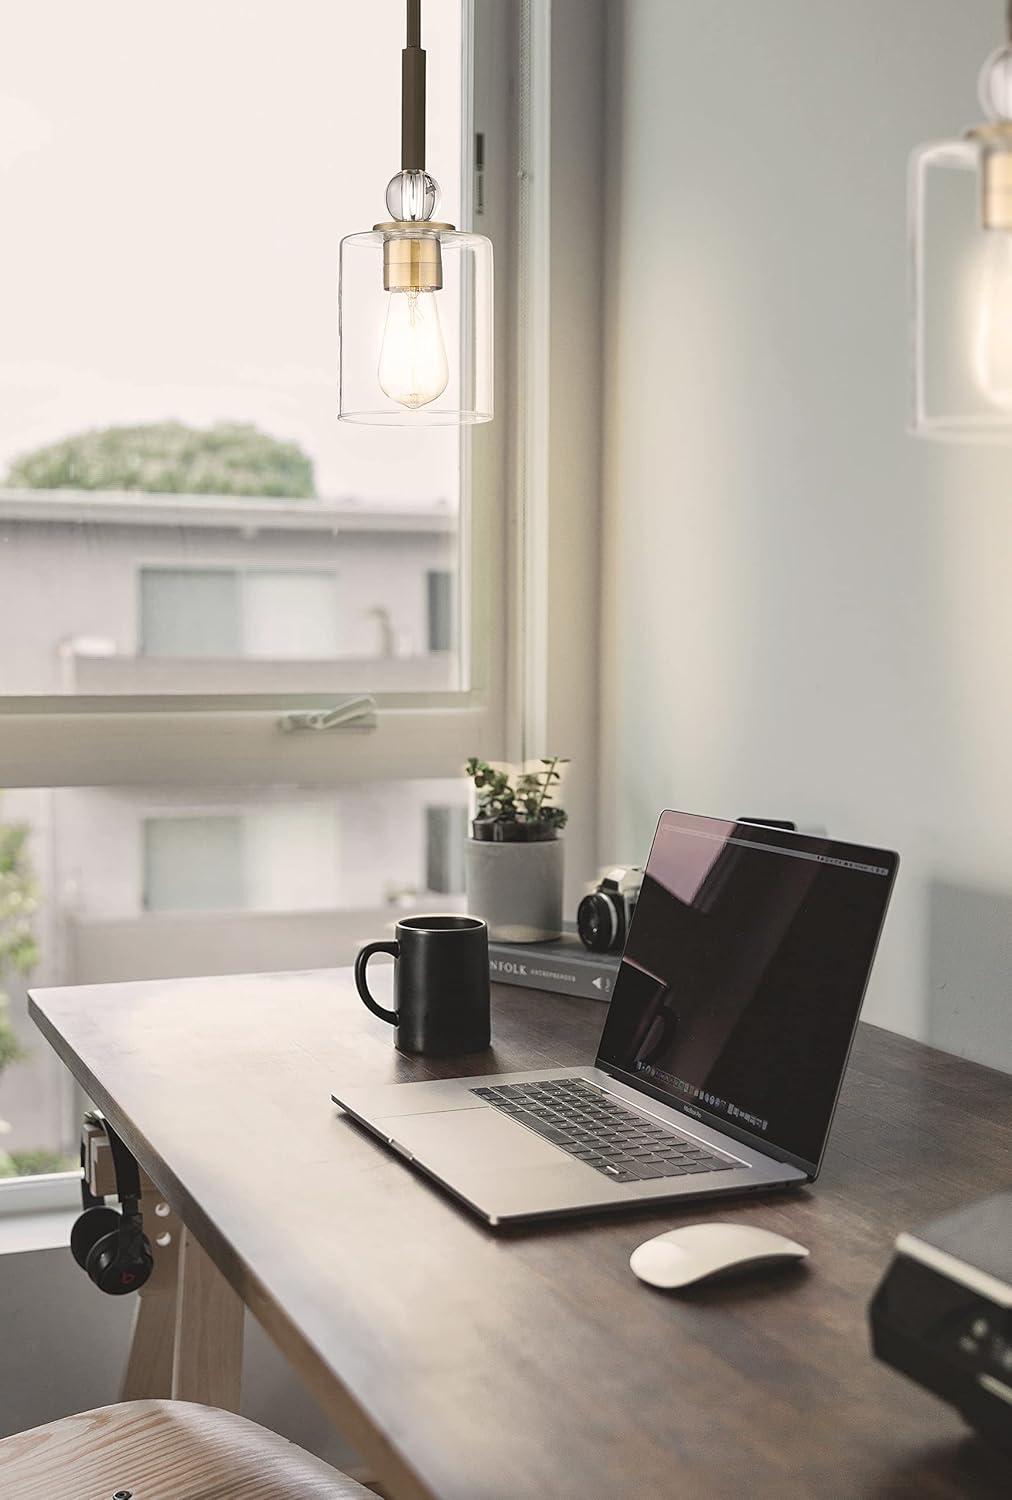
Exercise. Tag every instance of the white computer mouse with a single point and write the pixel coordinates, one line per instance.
(697, 1252)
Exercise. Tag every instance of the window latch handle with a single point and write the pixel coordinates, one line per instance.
(353, 713)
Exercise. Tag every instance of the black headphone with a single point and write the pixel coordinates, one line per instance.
(111, 1245)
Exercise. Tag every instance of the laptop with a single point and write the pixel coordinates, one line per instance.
(723, 1049)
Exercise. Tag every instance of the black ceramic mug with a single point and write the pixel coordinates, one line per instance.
(441, 986)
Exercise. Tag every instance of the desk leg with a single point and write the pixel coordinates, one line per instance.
(207, 1359)
(148, 1374)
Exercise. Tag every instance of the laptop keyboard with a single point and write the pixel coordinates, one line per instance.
(598, 1129)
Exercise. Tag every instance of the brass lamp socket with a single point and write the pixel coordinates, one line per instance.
(996, 190)
(995, 142)
(412, 263)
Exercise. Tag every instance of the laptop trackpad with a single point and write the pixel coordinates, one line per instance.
(479, 1135)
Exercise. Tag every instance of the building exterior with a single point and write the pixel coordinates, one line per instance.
(164, 593)
(147, 594)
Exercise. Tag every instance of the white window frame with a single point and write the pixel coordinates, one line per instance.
(88, 740)
(530, 549)
(186, 740)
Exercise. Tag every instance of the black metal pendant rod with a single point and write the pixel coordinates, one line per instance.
(413, 93)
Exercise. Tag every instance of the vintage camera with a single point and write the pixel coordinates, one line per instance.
(603, 917)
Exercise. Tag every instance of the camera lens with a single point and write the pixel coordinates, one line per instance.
(596, 923)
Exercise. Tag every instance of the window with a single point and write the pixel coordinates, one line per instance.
(193, 864)
(156, 882)
(276, 859)
(168, 389)
(223, 552)
(190, 612)
(168, 382)
(226, 613)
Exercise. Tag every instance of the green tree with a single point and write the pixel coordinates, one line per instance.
(18, 951)
(169, 458)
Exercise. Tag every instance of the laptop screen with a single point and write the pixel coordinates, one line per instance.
(743, 974)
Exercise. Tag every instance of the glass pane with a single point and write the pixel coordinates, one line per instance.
(99, 885)
(193, 864)
(189, 612)
(180, 509)
(290, 615)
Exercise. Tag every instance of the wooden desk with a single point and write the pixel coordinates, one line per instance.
(470, 1365)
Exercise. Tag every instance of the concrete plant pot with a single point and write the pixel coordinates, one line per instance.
(516, 887)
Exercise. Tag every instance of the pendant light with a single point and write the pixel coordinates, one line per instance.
(961, 242)
(415, 294)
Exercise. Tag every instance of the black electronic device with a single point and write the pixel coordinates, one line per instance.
(604, 915)
(110, 1244)
(943, 1313)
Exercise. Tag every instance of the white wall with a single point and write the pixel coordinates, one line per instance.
(807, 611)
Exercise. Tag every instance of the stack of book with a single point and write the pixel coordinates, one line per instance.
(564, 966)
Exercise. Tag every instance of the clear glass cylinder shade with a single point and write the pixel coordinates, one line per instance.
(961, 299)
(422, 355)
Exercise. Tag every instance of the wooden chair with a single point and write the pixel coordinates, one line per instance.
(164, 1450)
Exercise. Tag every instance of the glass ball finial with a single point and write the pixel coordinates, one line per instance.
(412, 196)
(994, 88)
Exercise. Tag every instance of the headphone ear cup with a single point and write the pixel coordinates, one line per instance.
(90, 1226)
(118, 1267)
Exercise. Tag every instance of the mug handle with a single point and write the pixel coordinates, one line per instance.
(362, 958)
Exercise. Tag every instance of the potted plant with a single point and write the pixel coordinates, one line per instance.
(514, 858)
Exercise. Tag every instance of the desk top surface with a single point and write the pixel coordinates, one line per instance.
(473, 1365)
